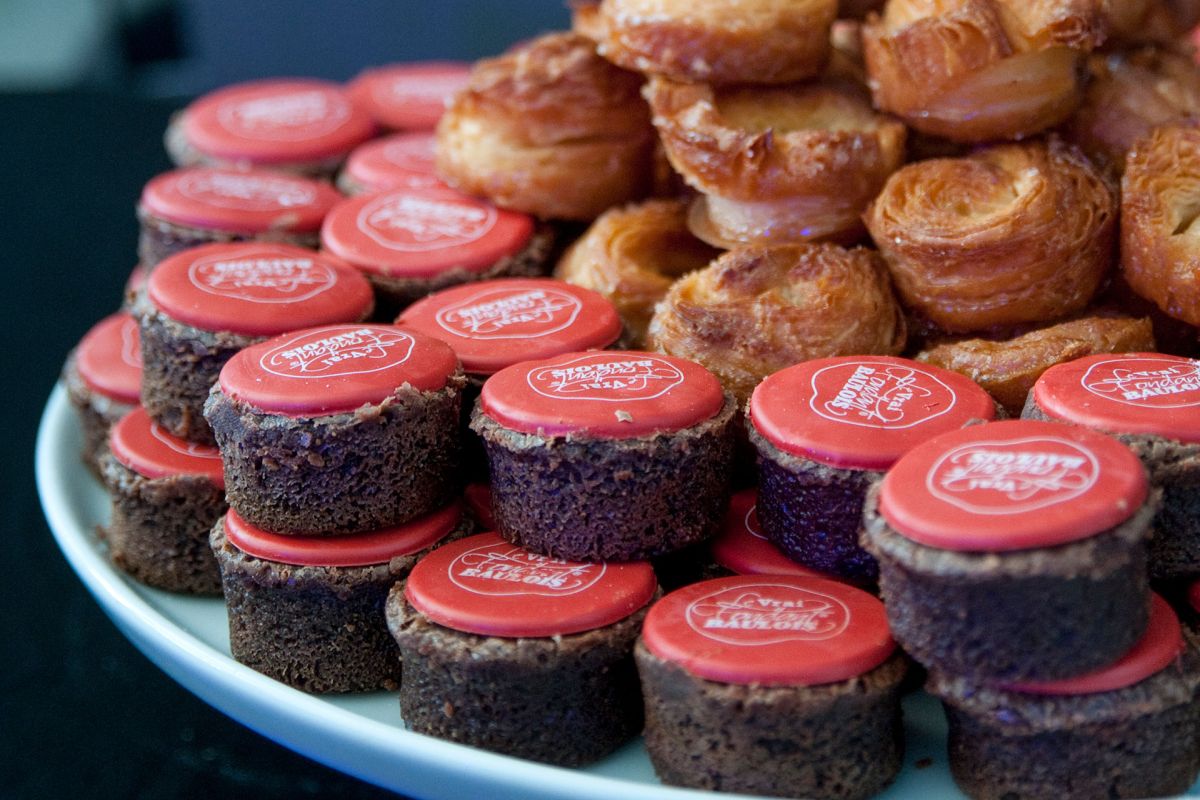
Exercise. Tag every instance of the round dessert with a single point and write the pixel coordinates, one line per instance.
(773, 684)
(827, 429)
(204, 205)
(607, 456)
(1033, 532)
(338, 429)
(742, 548)
(103, 376)
(409, 96)
(166, 494)
(402, 160)
(297, 125)
(308, 610)
(205, 304)
(1128, 729)
(412, 241)
(1151, 402)
(478, 500)
(518, 653)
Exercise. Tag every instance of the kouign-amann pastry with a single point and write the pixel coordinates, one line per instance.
(1141, 21)
(1007, 235)
(776, 165)
(103, 377)
(408, 96)
(551, 129)
(756, 310)
(979, 70)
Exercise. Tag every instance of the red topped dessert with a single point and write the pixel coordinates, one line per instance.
(408, 96)
(103, 376)
(743, 548)
(143, 446)
(400, 161)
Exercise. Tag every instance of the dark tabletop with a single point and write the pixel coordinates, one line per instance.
(82, 713)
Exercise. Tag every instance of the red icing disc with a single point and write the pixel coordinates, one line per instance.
(770, 629)
(394, 162)
(863, 412)
(1145, 393)
(1159, 646)
(483, 584)
(353, 550)
(246, 201)
(140, 444)
(334, 369)
(493, 324)
(479, 500)
(276, 121)
(617, 394)
(742, 547)
(422, 232)
(258, 288)
(1012, 485)
(409, 96)
(109, 358)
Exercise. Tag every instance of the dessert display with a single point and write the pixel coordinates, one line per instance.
(392, 162)
(1142, 21)
(408, 96)
(103, 376)
(741, 548)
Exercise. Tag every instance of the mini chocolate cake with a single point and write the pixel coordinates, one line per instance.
(478, 500)
(776, 685)
(1130, 729)
(103, 376)
(339, 429)
(200, 205)
(1151, 402)
(610, 455)
(826, 429)
(402, 160)
(166, 494)
(308, 610)
(299, 125)
(1014, 550)
(518, 653)
(205, 304)
(742, 548)
(410, 96)
(413, 241)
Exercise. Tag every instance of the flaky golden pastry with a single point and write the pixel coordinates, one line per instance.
(857, 9)
(776, 165)
(1160, 205)
(1132, 22)
(750, 41)
(756, 310)
(1008, 235)
(632, 255)
(585, 19)
(980, 70)
(1008, 368)
(548, 128)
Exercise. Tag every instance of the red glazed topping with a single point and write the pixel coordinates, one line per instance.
(617, 394)
(247, 201)
(335, 369)
(422, 232)
(1159, 646)
(141, 445)
(394, 162)
(863, 412)
(770, 629)
(742, 547)
(1145, 393)
(1012, 485)
(409, 96)
(109, 358)
(276, 121)
(258, 288)
(479, 500)
(483, 584)
(352, 550)
(493, 324)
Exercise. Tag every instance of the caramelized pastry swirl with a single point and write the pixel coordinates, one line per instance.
(756, 310)
(1011, 234)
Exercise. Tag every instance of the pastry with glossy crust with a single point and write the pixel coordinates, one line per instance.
(632, 255)
(776, 165)
(756, 310)
(1008, 235)
(549, 128)
(1160, 203)
(751, 41)
(980, 70)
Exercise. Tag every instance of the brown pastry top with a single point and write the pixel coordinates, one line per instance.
(1133, 22)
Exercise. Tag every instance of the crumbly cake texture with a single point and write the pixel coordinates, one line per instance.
(380, 465)
(565, 700)
(159, 239)
(158, 532)
(583, 498)
(841, 740)
(96, 413)
(1037, 614)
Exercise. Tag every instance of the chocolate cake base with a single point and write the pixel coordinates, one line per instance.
(840, 740)
(97, 414)
(159, 239)
(183, 154)
(565, 700)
